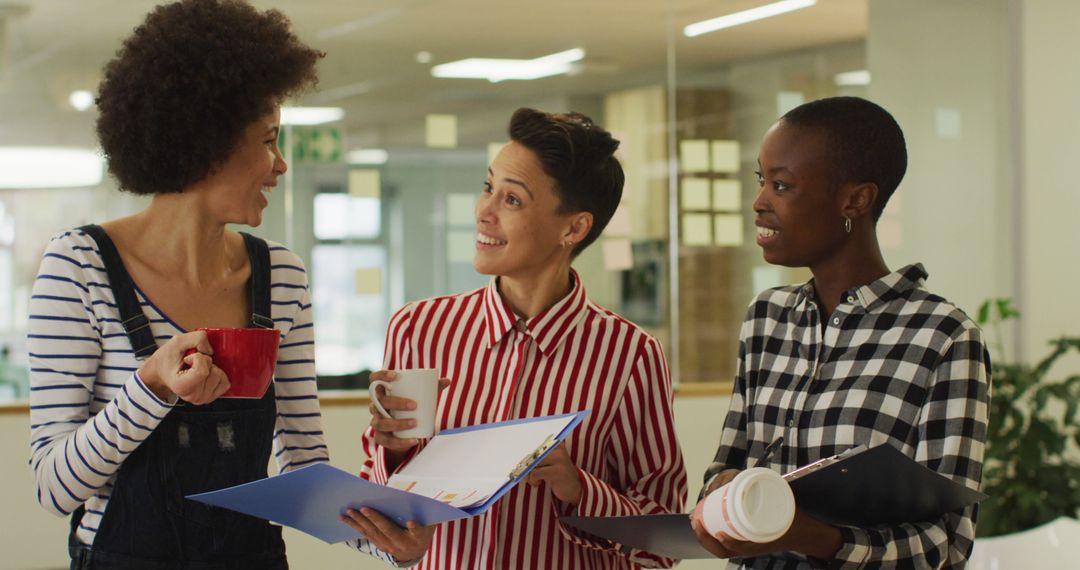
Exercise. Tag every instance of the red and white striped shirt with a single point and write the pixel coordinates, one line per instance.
(573, 356)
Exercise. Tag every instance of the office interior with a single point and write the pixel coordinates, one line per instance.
(388, 154)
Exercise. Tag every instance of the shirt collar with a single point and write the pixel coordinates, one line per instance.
(878, 292)
(548, 329)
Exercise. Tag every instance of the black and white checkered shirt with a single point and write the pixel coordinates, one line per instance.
(894, 364)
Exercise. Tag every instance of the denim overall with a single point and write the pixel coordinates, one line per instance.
(148, 524)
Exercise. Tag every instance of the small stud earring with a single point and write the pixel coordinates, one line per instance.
(847, 224)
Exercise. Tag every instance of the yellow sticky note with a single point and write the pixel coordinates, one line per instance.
(618, 254)
(441, 131)
(694, 194)
(460, 246)
(694, 155)
(460, 208)
(696, 229)
(725, 156)
(369, 281)
(726, 195)
(728, 230)
(364, 183)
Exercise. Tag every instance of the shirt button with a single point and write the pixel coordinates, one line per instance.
(850, 299)
(520, 326)
(791, 423)
(836, 320)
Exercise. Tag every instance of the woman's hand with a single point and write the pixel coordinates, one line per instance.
(169, 374)
(384, 428)
(710, 542)
(404, 544)
(806, 535)
(560, 473)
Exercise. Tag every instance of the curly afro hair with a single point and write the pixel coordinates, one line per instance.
(580, 157)
(177, 98)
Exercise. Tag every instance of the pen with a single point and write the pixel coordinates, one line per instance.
(769, 450)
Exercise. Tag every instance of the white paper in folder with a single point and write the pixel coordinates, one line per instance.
(467, 467)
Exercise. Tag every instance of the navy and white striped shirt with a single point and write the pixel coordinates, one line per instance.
(88, 408)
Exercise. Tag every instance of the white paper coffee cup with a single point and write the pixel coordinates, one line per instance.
(419, 385)
(756, 506)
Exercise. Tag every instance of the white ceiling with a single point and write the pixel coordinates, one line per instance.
(55, 46)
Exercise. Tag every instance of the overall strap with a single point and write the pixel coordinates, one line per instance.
(259, 256)
(132, 318)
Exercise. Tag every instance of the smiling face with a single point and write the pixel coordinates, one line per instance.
(234, 190)
(519, 230)
(799, 208)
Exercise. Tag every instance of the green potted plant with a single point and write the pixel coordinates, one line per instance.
(1029, 473)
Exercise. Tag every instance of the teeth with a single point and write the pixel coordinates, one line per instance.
(488, 240)
(766, 232)
(268, 189)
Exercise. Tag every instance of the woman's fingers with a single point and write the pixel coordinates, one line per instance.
(396, 403)
(384, 375)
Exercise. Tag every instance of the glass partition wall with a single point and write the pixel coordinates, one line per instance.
(379, 197)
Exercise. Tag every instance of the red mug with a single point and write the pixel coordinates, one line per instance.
(247, 356)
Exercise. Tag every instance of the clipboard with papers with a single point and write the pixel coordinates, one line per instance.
(861, 487)
(460, 473)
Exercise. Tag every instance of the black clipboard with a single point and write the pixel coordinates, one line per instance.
(874, 486)
(861, 487)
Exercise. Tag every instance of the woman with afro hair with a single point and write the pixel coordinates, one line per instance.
(126, 408)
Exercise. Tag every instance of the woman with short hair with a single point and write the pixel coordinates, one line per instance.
(532, 344)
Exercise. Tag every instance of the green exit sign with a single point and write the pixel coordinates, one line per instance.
(315, 144)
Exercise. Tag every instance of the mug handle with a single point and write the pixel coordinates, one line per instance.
(375, 397)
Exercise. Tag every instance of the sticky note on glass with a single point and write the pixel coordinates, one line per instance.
(694, 194)
(726, 195)
(459, 209)
(618, 255)
(460, 246)
(619, 226)
(694, 155)
(364, 183)
(369, 281)
(889, 234)
(725, 156)
(696, 229)
(441, 131)
(493, 150)
(728, 230)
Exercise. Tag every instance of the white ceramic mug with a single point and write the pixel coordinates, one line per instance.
(756, 506)
(419, 385)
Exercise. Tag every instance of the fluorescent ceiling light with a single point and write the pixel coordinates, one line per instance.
(495, 70)
(49, 167)
(310, 115)
(367, 156)
(766, 11)
(849, 78)
(81, 100)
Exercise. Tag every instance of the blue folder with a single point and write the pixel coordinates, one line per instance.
(311, 499)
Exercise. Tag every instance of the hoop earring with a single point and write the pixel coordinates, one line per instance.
(847, 224)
